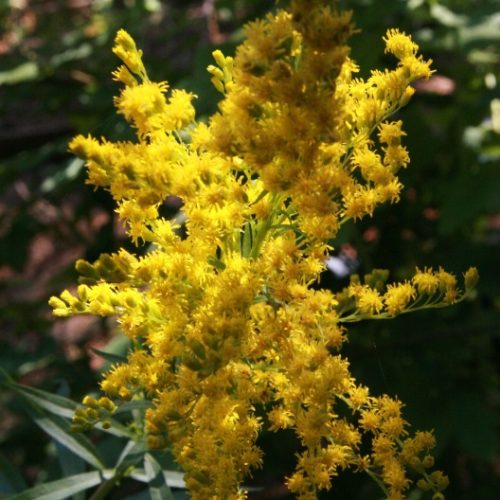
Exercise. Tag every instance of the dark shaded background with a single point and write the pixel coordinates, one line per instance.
(55, 64)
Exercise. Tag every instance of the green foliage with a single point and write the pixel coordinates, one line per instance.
(52, 412)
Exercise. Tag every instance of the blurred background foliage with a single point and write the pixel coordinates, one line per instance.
(55, 82)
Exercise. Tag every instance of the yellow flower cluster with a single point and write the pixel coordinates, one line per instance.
(229, 337)
(427, 289)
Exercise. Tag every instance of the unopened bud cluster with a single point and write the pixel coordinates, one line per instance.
(92, 412)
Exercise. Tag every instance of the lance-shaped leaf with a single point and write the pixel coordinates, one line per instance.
(59, 429)
(64, 488)
(53, 403)
(109, 356)
(71, 465)
(138, 404)
(157, 481)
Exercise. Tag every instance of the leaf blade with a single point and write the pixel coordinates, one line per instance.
(59, 429)
(53, 403)
(157, 484)
(109, 356)
(64, 488)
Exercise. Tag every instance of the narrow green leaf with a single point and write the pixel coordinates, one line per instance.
(131, 455)
(64, 488)
(261, 195)
(141, 404)
(61, 406)
(116, 429)
(174, 478)
(127, 449)
(108, 356)
(59, 430)
(71, 465)
(57, 405)
(260, 298)
(218, 264)
(158, 487)
(139, 475)
(247, 239)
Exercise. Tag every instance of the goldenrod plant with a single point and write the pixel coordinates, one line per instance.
(229, 337)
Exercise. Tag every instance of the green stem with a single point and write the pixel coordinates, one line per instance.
(354, 317)
(107, 486)
(377, 480)
(263, 228)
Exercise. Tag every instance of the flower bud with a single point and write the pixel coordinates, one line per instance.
(90, 402)
(471, 277)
